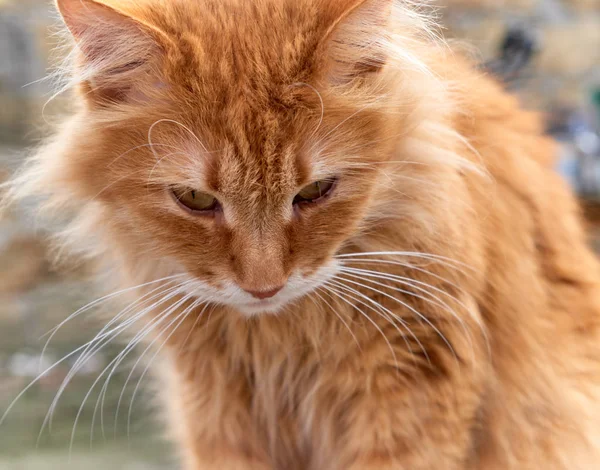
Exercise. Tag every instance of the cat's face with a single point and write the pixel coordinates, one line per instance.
(252, 209)
(224, 161)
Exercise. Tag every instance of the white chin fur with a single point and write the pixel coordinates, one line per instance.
(270, 306)
(232, 296)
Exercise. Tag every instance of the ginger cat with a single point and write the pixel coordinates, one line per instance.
(349, 243)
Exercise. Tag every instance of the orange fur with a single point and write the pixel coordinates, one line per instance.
(472, 341)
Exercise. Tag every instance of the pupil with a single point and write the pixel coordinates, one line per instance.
(193, 194)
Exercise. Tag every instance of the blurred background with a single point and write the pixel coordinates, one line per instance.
(546, 51)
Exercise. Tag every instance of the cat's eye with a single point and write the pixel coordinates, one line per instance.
(196, 201)
(315, 192)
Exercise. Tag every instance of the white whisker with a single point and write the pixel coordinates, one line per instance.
(336, 292)
(322, 106)
(413, 310)
(41, 375)
(183, 316)
(415, 284)
(345, 120)
(392, 316)
(166, 296)
(409, 254)
(96, 302)
(137, 339)
(130, 375)
(399, 263)
(151, 129)
(103, 338)
(433, 300)
(160, 160)
(337, 314)
(137, 148)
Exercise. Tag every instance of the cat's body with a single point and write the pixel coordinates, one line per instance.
(439, 306)
(301, 394)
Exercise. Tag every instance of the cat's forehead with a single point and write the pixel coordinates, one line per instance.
(266, 172)
(245, 45)
(240, 77)
(237, 70)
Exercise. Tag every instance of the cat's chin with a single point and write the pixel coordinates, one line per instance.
(264, 307)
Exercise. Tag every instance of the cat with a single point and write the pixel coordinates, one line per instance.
(347, 242)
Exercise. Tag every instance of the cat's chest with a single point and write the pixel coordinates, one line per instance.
(273, 397)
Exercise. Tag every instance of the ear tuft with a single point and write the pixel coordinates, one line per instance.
(354, 43)
(114, 46)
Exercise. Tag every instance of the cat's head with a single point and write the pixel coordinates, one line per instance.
(241, 143)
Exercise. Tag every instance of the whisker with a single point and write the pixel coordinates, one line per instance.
(40, 376)
(415, 284)
(184, 315)
(137, 148)
(112, 183)
(345, 120)
(414, 311)
(389, 316)
(434, 301)
(138, 338)
(151, 129)
(193, 328)
(337, 314)
(399, 263)
(159, 161)
(429, 256)
(361, 274)
(130, 375)
(322, 106)
(92, 304)
(336, 292)
(166, 296)
(103, 338)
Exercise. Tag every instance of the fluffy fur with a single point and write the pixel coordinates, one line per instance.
(441, 307)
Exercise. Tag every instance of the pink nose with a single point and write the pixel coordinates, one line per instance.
(264, 294)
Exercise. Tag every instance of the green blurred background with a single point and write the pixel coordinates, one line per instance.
(563, 80)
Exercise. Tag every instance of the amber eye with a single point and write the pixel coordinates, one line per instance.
(196, 201)
(315, 191)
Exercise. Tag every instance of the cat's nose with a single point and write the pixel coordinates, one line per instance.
(264, 294)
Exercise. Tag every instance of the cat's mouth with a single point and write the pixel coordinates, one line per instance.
(231, 295)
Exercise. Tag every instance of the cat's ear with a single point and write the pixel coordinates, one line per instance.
(354, 42)
(116, 48)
